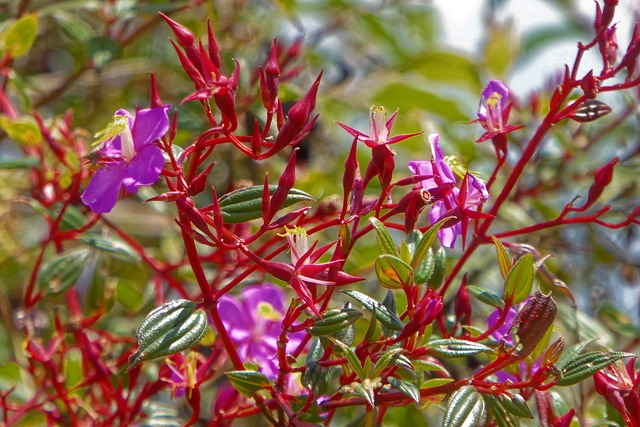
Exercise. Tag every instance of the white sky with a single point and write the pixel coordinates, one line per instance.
(462, 21)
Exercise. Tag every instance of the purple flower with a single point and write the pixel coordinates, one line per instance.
(440, 183)
(254, 324)
(494, 109)
(129, 157)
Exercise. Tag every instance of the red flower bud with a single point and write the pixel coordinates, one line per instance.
(630, 59)
(155, 101)
(462, 303)
(186, 39)
(590, 85)
(297, 124)
(214, 51)
(601, 178)
(270, 79)
(199, 183)
(565, 420)
(285, 183)
(184, 36)
(188, 66)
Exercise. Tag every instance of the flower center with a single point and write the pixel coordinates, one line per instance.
(377, 125)
(126, 139)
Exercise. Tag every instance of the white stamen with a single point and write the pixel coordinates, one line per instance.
(126, 139)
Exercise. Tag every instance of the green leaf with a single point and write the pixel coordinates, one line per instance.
(73, 25)
(447, 67)
(424, 271)
(486, 296)
(519, 280)
(501, 49)
(453, 347)
(316, 351)
(516, 405)
(130, 293)
(114, 248)
(20, 36)
(545, 35)
(248, 382)
(408, 97)
(389, 302)
(26, 162)
(103, 50)
(496, 408)
(392, 272)
(436, 382)
(316, 378)
(352, 359)
(14, 377)
(384, 361)
(385, 241)
(73, 372)
(173, 327)
(587, 364)
(426, 242)
(437, 277)
(72, 218)
(245, 204)
(405, 252)
(62, 271)
(333, 321)
(386, 317)
(364, 392)
(504, 260)
(24, 130)
(406, 388)
(465, 408)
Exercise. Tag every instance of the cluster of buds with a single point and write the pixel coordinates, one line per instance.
(203, 66)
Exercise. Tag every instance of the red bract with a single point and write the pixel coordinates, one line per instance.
(303, 270)
(619, 385)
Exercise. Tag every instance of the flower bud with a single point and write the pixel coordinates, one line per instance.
(533, 321)
(462, 303)
(590, 85)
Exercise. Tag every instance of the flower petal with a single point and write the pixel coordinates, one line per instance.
(101, 194)
(444, 171)
(238, 323)
(265, 292)
(144, 168)
(150, 124)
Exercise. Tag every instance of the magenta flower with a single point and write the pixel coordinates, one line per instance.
(493, 113)
(254, 324)
(129, 157)
(439, 180)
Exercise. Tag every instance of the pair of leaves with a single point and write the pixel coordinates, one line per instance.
(397, 269)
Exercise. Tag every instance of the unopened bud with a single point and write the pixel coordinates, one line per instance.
(590, 85)
(533, 321)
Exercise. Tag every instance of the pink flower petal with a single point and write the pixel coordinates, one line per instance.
(150, 124)
(101, 194)
(144, 169)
